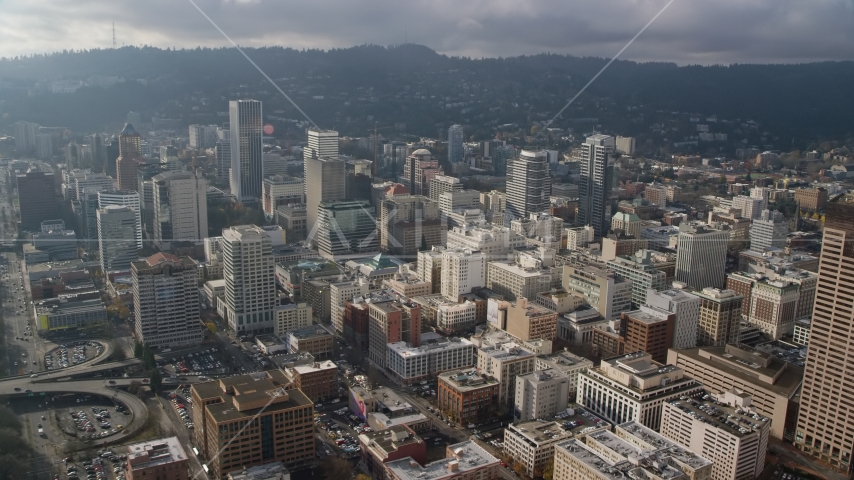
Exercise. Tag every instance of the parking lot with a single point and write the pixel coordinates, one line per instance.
(91, 417)
(182, 403)
(72, 353)
(107, 465)
(206, 362)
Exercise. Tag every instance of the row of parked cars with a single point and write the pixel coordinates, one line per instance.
(100, 417)
(96, 468)
(181, 410)
(59, 357)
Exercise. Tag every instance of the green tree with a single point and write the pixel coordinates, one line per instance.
(137, 350)
(211, 327)
(8, 419)
(156, 380)
(549, 470)
(336, 468)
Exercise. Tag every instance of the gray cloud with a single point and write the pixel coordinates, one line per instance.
(690, 31)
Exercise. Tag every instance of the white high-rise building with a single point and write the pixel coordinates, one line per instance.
(686, 307)
(456, 138)
(579, 237)
(701, 254)
(504, 362)
(246, 144)
(769, 230)
(725, 428)
(118, 228)
(496, 242)
(594, 189)
(625, 145)
(202, 136)
(166, 301)
(444, 183)
(180, 208)
(540, 394)
(321, 143)
(462, 270)
(126, 198)
(527, 184)
(750, 207)
(250, 279)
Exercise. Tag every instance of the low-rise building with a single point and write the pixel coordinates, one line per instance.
(318, 380)
(527, 321)
(467, 396)
(435, 355)
(313, 339)
(567, 363)
(281, 423)
(532, 443)
(63, 313)
(632, 451)
(395, 443)
(214, 291)
(291, 317)
(163, 458)
(466, 460)
(270, 344)
(632, 387)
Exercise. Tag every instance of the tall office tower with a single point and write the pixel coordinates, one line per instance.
(461, 271)
(321, 143)
(409, 223)
(826, 421)
(768, 231)
(246, 129)
(117, 234)
(99, 153)
(223, 158)
(359, 179)
(124, 198)
(720, 317)
(166, 301)
(505, 362)
(25, 137)
(130, 156)
(625, 145)
(180, 208)
(736, 453)
(419, 170)
(325, 181)
(44, 146)
(202, 136)
(443, 183)
(686, 307)
(594, 189)
(701, 255)
(345, 228)
(429, 267)
(502, 156)
(36, 199)
(250, 279)
(144, 175)
(526, 184)
(392, 322)
(456, 137)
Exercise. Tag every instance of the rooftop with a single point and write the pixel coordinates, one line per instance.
(268, 471)
(466, 380)
(563, 360)
(244, 396)
(315, 367)
(738, 420)
(311, 331)
(390, 439)
(462, 457)
(540, 431)
(427, 346)
(154, 453)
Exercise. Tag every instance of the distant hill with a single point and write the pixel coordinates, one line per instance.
(367, 84)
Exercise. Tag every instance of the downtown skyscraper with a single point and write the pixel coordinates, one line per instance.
(826, 416)
(456, 137)
(526, 184)
(594, 189)
(247, 130)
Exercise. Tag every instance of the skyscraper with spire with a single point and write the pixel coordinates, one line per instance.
(130, 156)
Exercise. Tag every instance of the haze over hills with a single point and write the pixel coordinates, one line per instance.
(364, 85)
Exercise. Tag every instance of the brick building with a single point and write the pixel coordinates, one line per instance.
(467, 396)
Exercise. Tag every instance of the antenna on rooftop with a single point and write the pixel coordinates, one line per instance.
(114, 35)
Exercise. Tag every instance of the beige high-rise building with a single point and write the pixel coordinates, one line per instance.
(180, 208)
(720, 317)
(656, 194)
(826, 420)
(324, 182)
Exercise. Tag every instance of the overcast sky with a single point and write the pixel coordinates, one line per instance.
(688, 32)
